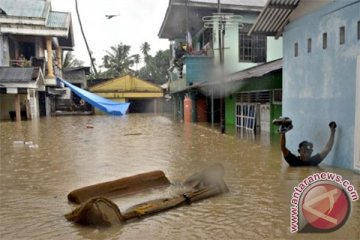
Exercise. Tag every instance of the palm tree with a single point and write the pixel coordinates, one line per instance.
(70, 61)
(136, 60)
(145, 49)
(118, 62)
(83, 34)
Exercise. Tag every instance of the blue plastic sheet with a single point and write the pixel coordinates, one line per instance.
(103, 104)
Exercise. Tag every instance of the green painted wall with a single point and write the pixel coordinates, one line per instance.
(267, 82)
(276, 112)
(229, 111)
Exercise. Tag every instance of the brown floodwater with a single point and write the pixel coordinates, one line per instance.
(65, 154)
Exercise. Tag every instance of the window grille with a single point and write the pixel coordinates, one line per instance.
(251, 48)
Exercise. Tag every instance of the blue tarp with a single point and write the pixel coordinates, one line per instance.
(103, 104)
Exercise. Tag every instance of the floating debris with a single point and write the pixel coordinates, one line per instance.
(28, 143)
(18, 142)
(89, 126)
(33, 146)
(132, 134)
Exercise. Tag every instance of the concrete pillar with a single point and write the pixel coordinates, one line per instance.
(50, 73)
(17, 107)
(155, 106)
(59, 57)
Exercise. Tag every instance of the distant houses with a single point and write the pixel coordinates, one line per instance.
(32, 39)
(144, 96)
(228, 96)
(292, 58)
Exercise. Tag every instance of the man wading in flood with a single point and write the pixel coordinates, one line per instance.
(305, 150)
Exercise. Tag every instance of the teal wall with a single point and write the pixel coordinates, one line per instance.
(320, 86)
(274, 49)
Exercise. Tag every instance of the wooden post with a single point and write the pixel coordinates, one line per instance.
(50, 73)
(17, 107)
(59, 57)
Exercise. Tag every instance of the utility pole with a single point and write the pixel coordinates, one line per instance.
(82, 32)
(222, 20)
(221, 34)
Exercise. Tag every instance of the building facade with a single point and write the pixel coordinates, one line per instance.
(32, 35)
(321, 73)
(213, 72)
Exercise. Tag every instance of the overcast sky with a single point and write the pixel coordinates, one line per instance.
(139, 21)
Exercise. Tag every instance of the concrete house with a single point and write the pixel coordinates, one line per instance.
(216, 98)
(144, 96)
(321, 74)
(32, 39)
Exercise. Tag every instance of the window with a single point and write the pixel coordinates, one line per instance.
(358, 30)
(324, 40)
(296, 49)
(342, 35)
(251, 48)
(309, 45)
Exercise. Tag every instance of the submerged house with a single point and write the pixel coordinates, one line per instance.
(144, 96)
(321, 73)
(32, 39)
(221, 94)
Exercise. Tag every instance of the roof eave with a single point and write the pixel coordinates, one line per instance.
(274, 17)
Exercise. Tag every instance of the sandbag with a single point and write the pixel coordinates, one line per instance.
(120, 187)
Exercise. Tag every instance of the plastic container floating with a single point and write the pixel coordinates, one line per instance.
(33, 146)
(18, 142)
(28, 143)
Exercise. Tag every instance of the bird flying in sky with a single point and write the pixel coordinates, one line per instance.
(111, 16)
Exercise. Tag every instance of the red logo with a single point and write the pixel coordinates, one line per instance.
(326, 207)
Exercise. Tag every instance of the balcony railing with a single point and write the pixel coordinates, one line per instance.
(195, 69)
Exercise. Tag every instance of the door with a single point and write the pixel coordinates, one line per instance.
(265, 117)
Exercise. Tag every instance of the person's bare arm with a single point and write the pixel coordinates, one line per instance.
(330, 142)
(284, 150)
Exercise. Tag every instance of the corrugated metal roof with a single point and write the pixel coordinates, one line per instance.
(259, 3)
(25, 8)
(17, 75)
(58, 20)
(274, 16)
(257, 71)
(174, 23)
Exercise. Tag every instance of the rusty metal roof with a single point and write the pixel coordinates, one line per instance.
(274, 17)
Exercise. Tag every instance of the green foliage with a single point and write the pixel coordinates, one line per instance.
(69, 61)
(156, 67)
(117, 61)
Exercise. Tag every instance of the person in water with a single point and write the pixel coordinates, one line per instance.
(305, 150)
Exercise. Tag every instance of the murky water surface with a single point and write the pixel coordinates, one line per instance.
(66, 155)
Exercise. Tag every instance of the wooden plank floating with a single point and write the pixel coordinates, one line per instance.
(97, 209)
(120, 187)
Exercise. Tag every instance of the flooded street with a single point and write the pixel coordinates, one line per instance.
(66, 155)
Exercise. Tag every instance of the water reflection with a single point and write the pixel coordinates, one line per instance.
(35, 181)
